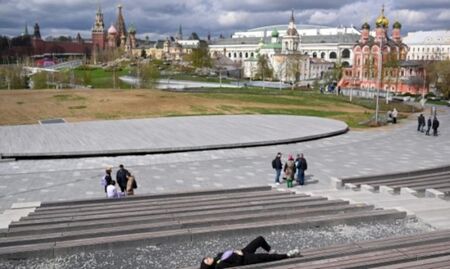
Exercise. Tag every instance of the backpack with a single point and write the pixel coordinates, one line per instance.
(274, 165)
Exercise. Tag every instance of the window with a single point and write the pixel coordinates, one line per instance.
(240, 54)
(322, 55)
(314, 54)
(229, 54)
(346, 53)
(246, 55)
(251, 54)
(333, 55)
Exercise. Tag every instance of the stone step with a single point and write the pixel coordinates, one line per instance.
(72, 246)
(127, 201)
(408, 174)
(161, 204)
(415, 185)
(388, 181)
(304, 201)
(203, 221)
(84, 225)
(174, 195)
(432, 263)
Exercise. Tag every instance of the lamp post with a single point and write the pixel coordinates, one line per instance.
(380, 59)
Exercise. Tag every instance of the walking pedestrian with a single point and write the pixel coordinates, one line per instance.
(289, 171)
(394, 115)
(428, 126)
(246, 256)
(301, 166)
(420, 123)
(435, 126)
(122, 177)
(277, 165)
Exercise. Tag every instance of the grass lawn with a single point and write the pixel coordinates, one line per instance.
(101, 79)
(28, 107)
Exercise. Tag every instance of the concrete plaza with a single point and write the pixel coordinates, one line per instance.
(389, 149)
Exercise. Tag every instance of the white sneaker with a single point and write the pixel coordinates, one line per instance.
(293, 253)
(278, 183)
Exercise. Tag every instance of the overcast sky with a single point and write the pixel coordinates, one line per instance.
(161, 18)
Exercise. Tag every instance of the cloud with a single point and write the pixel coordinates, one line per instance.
(162, 18)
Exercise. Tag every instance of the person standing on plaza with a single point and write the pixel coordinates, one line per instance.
(435, 126)
(122, 177)
(301, 165)
(394, 115)
(107, 179)
(289, 171)
(111, 190)
(277, 165)
(131, 185)
(428, 126)
(420, 123)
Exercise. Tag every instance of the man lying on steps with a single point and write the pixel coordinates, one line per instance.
(246, 256)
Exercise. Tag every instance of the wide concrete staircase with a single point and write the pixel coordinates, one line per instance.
(434, 182)
(60, 228)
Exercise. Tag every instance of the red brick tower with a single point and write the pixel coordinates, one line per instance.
(98, 32)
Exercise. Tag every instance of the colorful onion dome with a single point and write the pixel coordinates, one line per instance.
(397, 25)
(275, 33)
(382, 21)
(365, 26)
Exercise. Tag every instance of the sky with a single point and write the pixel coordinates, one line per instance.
(158, 19)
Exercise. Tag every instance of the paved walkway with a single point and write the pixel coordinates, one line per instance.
(390, 149)
(100, 138)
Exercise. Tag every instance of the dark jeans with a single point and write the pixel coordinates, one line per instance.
(250, 257)
(435, 132)
(301, 177)
(277, 175)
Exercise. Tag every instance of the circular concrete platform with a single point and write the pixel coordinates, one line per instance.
(161, 135)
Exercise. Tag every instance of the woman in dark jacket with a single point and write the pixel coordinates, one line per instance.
(246, 256)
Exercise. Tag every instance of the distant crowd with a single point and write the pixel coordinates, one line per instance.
(292, 170)
(126, 181)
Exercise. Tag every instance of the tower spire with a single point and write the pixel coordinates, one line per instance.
(292, 16)
(26, 29)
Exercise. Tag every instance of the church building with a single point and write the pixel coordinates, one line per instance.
(381, 62)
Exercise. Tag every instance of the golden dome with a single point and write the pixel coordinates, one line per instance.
(382, 21)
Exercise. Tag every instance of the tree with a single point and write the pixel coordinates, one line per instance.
(200, 57)
(293, 68)
(149, 75)
(144, 54)
(39, 80)
(263, 70)
(12, 77)
(443, 77)
(391, 66)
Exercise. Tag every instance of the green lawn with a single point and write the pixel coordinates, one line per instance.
(102, 79)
